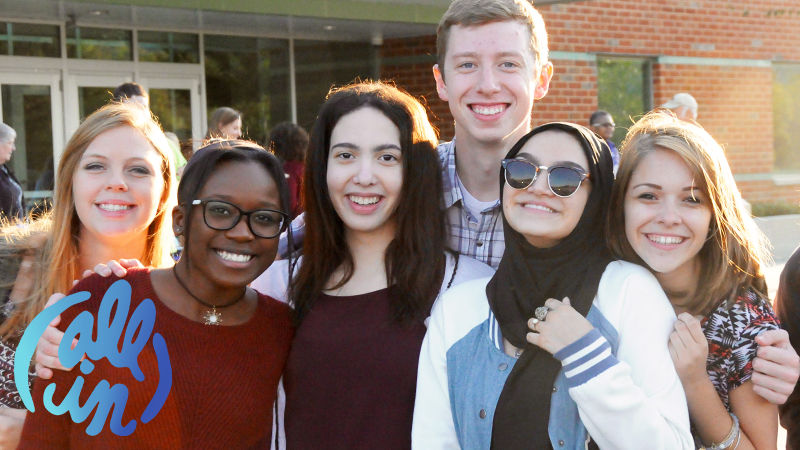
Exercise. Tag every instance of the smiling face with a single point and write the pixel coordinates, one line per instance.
(667, 215)
(365, 171)
(232, 130)
(235, 257)
(490, 81)
(536, 212)
(117, 186)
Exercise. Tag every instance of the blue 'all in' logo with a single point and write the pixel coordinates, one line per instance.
(109, 330)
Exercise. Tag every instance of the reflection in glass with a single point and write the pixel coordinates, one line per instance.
(91, 98)
(98, 43)
(319, 64)
(252, 76)
(157, 46)
(786, 116)
(173, 107)
(29, 39)
(26, 108)
(623, 89)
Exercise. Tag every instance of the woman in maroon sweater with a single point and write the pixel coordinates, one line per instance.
(373, 263)
(226, 344)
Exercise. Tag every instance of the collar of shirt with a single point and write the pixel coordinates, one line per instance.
(450, 184)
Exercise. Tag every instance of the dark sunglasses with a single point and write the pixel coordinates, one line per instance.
(563, 181)
(604, 124)
(222, 216)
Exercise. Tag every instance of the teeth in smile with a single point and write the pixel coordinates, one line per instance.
(235, 257)
(488, 110)
(113, 207)
(665, 240)
(539, 207)
(364, 200)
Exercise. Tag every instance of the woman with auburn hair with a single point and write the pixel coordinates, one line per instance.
(373, 263)
(677, 211)
(112, 201)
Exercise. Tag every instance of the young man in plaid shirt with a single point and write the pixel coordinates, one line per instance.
(492, 65)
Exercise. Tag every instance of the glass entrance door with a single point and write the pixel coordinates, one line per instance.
(31, 105)
(176, 102)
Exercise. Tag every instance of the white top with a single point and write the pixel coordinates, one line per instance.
(637, 402)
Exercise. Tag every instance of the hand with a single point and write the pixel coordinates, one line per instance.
(776, 367)
(47, 347)
(562, 326)
(689, 349)
(118, 268)
(11, 421)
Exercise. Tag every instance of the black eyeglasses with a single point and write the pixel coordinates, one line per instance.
(563, 181)
(222, 216)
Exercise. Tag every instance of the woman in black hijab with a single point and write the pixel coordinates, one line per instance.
(562, 342)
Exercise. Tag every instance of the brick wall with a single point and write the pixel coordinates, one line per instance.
(735, 100)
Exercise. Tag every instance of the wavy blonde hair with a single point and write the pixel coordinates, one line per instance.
(56, 262)
(733, 257)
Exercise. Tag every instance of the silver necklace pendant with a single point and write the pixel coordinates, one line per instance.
(518, 352)
(212, 317)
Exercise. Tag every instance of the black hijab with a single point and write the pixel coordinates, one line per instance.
(527, 276)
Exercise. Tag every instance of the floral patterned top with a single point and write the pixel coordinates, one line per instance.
(731, 333)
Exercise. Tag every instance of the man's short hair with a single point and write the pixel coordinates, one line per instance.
(479, 12)
(128, 90)
(598, 115)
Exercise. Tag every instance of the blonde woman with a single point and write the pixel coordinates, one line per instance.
(113, 200)
(676, 210)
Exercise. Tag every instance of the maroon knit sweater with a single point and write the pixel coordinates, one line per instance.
(224, 380)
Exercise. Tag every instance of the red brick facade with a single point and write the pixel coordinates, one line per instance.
(684, 38)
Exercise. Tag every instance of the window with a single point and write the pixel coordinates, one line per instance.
(159, 46)
(624, 90)
(250, 75)
(786, 116)
(320, 64)
(99, 43)
(28, 39)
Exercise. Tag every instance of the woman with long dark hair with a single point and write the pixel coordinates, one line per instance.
(374, 262)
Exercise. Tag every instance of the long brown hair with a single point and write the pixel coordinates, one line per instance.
(57, 261)
(733, 257)
(414, 260)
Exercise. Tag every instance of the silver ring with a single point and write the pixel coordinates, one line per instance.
(541, 312)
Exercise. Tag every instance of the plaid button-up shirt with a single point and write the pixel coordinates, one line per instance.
(477, 237)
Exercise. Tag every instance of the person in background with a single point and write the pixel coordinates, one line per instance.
(134, 93)
(683, 105)
(289, 142)
(225, 123)
(603, 125)
(113, 196)
(131, 92)
(787, 306)
(676, 210)
(10, 190)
